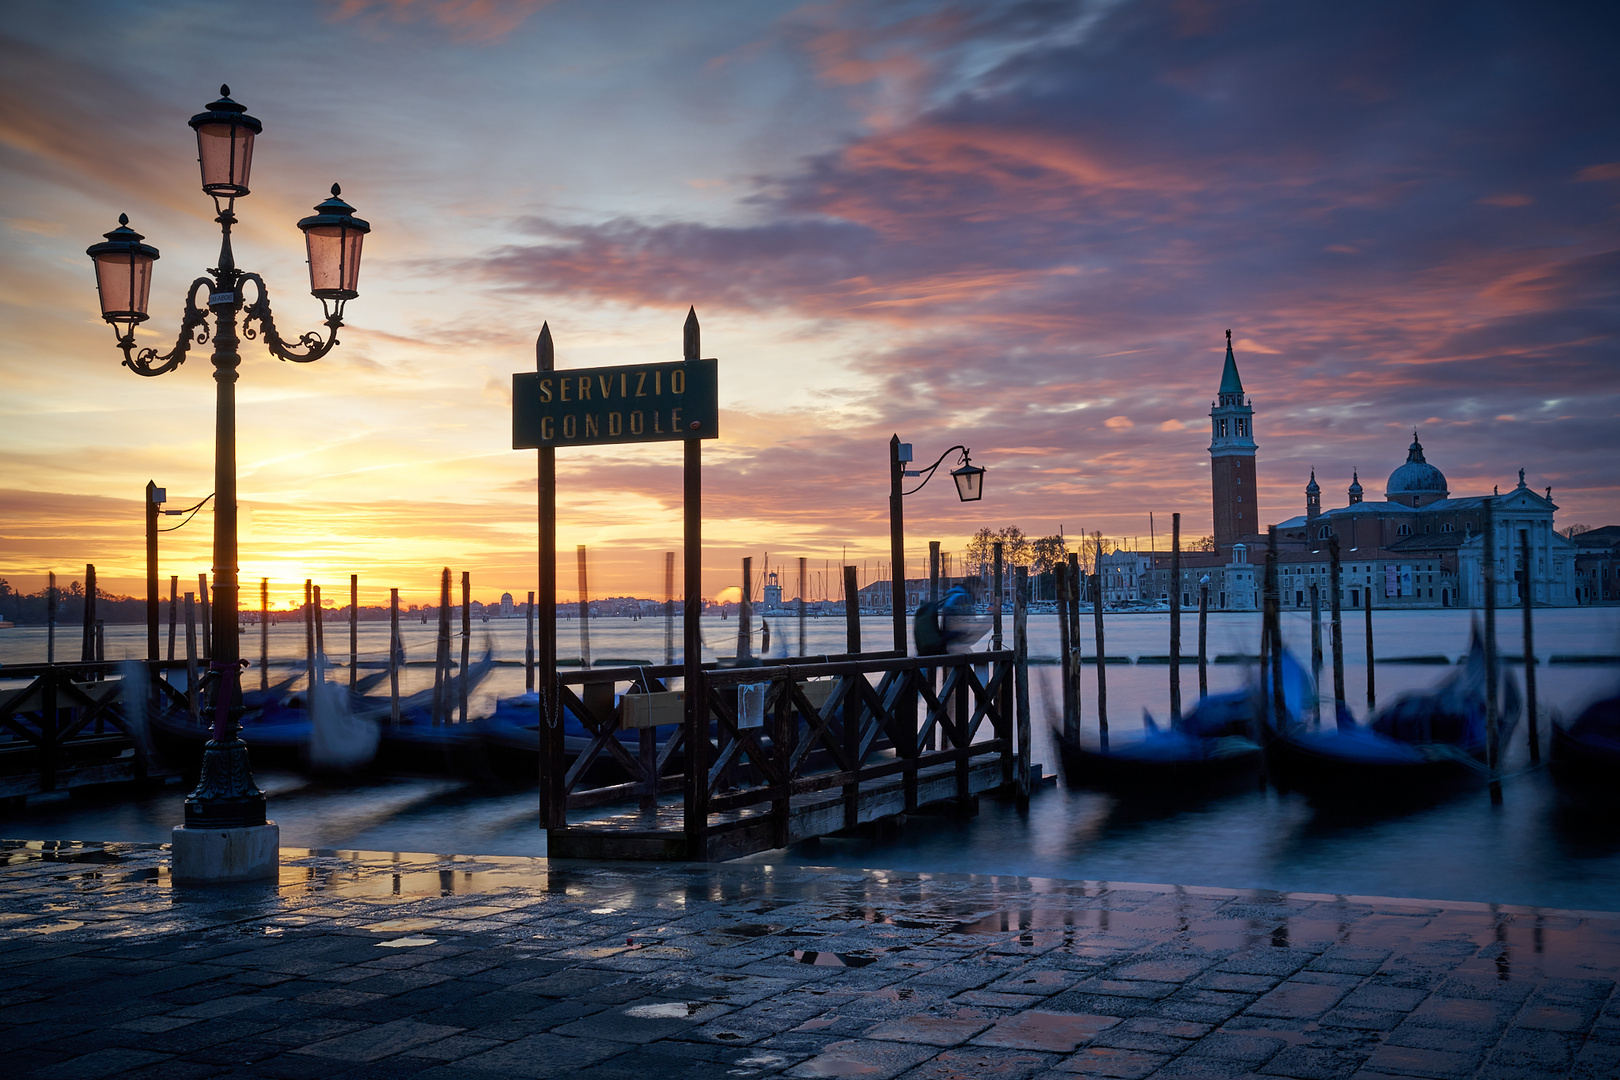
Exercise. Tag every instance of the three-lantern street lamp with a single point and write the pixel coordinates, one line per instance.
(226, 796)
(969, 488)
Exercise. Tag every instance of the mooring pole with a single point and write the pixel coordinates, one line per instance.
(1530, 653)
(320, 639)
(852, 612)
(1316, 655)
(1203, 638)
(87, 641)
(309, 637)
(1335, 614)
(801, 604)
(1102, 650)
(553, 791)
(1060, 592)
(584, 611)
(152, 570)
(207, 616)
(1271, 640)
(1372, 692)
(745, 612)
(1021, 678)
(174, 608)
(354, 627)
(697, 712)
(669, 608)
(528, 645)
(50, 619)
(1077, 665)
(393, 657)
(441, 653)
(897, 545)
(995, 601)
(1493, 736)
(264, 633)
(191, 656)
(466, 641)
(933, 571)
(1175, 618)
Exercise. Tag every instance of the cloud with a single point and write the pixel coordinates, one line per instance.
(464, 20)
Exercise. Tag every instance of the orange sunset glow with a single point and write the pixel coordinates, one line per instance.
(1022, 228)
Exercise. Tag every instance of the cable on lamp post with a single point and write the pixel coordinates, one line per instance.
(226, 796)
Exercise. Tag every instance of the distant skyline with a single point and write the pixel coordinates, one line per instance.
(1022, 226)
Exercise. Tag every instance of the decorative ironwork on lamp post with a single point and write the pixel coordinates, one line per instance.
(226, 796)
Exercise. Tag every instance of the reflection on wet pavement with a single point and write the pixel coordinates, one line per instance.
(501, 965)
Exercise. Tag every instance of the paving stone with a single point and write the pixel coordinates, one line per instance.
(933, 1030)
(372, 1043)
(1298, 1000)
(1415, 1061)
(1051, 1032)
(1112, 1062)
(1315, 1063)
(1238, 1046)
(989, 1063)
(107, 1062)
(863, 1057)
(644, 1020)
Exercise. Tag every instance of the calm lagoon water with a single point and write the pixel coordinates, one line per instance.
(1536, 848)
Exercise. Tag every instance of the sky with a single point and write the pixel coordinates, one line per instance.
(1024, 227)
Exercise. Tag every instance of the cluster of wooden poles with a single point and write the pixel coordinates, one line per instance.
(1068, 581)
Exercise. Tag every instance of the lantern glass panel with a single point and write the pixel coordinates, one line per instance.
(969, 483)
(334, 261)
(124, 280)
(225, 151)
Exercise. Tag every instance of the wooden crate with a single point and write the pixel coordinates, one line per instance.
(652, 710)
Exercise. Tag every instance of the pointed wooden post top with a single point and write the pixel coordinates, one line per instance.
(691, 336)
(545, 353)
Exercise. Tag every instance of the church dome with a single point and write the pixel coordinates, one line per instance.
(1417, 479)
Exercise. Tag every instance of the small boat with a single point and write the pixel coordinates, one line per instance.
(1211, 749)
(1585, 755)
(1421, 747)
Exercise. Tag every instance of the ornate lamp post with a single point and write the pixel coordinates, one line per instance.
(226, 797)
(969, 488)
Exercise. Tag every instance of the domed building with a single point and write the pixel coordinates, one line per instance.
(1417, 480)
(1422, 548)
(1418, 548)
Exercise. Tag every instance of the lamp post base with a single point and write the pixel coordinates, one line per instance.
(226, 796)
(225, 856)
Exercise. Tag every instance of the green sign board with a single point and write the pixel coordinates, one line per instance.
(635, 403)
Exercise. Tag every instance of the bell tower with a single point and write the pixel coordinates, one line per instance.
(1231, 453)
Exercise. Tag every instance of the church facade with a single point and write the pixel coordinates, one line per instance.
(1418, 547)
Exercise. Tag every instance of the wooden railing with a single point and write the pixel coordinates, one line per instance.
(69, 725)
(830, 742)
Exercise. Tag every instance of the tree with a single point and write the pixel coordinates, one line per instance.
(1203, 543)
(1572, 531)
(75, 589)
(1046, 553)
(980, 552)
(1015, 548)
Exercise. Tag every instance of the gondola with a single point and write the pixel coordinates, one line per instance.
(1585, 755)
(1213, 748)
(1422, 747)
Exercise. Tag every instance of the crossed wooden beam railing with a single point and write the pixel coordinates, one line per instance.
(60, 714)
(826, 723)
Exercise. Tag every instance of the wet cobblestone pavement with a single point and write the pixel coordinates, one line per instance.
(365, 964)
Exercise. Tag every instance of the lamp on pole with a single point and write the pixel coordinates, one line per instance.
(226, 797)
(969, 488)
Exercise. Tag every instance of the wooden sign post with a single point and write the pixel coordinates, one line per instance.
(634, 403)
